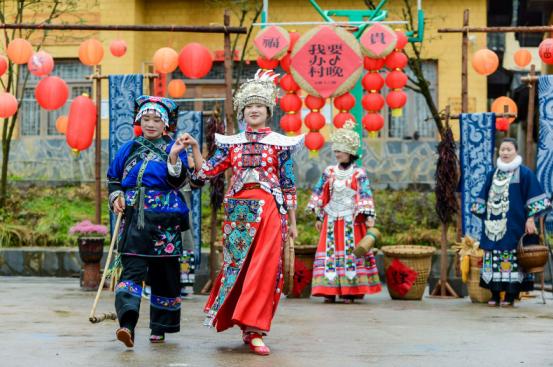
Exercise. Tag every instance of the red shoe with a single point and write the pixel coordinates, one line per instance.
(126, 336)
(246, 337)
(257, 346)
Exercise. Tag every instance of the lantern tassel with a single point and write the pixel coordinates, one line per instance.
(313, 154)
(397, 112)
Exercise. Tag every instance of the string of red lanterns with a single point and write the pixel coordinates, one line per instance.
(314, 121)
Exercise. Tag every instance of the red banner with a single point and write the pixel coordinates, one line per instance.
(378, 41)
(400, 277)
(272, 42)
(326, 62)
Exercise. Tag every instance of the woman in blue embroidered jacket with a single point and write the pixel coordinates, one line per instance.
(259, 214)
(510, 200)
(143, 180)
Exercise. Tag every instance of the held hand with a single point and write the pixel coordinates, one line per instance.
(319, 226)
(531, 226)
(369, 222)
(292, 232)
(178, 147)
(188, 140)
(119, 205)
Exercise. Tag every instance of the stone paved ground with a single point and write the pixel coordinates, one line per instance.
(43, 322)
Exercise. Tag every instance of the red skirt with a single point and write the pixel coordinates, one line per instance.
(336, 271)
(247, 291)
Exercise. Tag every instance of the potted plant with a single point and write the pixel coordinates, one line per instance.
(90, 240)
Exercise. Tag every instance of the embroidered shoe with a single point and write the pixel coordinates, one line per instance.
(125, 336)
(156, 339)
(257, 345)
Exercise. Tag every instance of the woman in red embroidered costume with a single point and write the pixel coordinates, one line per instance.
(343, 203)
(260, 200)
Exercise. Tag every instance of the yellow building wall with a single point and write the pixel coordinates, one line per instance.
(445, 48)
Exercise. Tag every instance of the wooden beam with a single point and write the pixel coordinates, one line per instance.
(521, 29)
(132, 28)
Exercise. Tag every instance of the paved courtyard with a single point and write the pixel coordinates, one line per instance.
(44, 322)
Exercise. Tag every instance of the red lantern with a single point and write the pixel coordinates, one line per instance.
(137, 130)
(3, 65)
(314, 141)
(314, 103)
(41, 64)
(285, 63)
(396, 99)
(288, 83)
(485, 61)
(396, 60)
(502, 124)
(20, 51)
(61, 124)
(290, 122)
(266, 64)
(372, 81)
(81, 123)
(341, 118)
(8, 105)
(294, 37)
(91, 52)
(51, 93)
(401, 40)
(373, 64)
(373, 122)
(314, 121)
(118, 48)
(396, 79)
(176, 88)
(165, 60)
(290, 102)
(545, 51)
(372, 102)
(195, 60)
(345, 102)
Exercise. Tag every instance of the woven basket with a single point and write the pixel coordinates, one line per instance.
(532, 258)
(477, 294)
(419, 258)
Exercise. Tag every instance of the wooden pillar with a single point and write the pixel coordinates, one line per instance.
(229, 114)
(464, 67)
(530, 155)
(98, 153)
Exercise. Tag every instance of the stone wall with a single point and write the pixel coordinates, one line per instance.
(394, 164)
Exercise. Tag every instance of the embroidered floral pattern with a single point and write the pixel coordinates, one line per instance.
(165, 303)
(157, 201)
(538, 205)
(129, 287)
(168, 241)
(239, 229)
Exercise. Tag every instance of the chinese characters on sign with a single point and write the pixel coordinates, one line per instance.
(325, 60)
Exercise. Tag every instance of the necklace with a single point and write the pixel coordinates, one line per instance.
(498, 205)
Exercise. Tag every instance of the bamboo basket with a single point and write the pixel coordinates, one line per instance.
(418, 258)
(477, 294)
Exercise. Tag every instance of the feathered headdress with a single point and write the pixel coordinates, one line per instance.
(346, 139)
(261, 89)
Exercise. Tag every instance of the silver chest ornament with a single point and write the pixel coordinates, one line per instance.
(498, 205)
(341, 202)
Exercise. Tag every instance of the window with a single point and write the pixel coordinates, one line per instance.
(36, 121)
(417, 120)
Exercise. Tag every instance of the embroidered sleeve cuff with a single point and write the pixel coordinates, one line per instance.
(366, 207)
(538, 206)
(478, 207)
(174, 169)
(114, 195)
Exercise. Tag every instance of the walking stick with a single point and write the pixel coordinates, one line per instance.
(110, 315)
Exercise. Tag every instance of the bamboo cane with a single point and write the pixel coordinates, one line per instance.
(96, 319)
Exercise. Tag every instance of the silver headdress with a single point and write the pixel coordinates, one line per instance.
(261, 89)
(346, 139)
